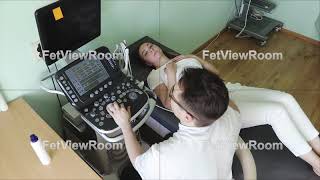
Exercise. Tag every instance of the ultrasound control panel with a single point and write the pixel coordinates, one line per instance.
(90, 85)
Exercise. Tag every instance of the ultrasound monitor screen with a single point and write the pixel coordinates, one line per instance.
(68, 25)
(86, 75)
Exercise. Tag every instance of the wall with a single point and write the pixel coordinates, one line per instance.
(182, 25)
(299, 16)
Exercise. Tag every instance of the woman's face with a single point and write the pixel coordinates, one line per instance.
(150, 53)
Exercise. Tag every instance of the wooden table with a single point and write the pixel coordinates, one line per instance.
(17, 158)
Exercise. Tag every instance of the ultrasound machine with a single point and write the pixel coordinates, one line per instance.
(89, 85)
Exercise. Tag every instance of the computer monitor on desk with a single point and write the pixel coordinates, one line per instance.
(67, 25)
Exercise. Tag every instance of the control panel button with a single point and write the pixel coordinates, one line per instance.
(64, 82)
(96, 103)
(119, 100)
(113, 98)
(112, 94)
(67, 88)
(101, 89)
(92, 114)
(100, 100)
(86, 110)
(110, 83)
(75, 100)
(102, 118)
(108, 116)
(61, 78)
(118, 87)
(96, 92)
(96, 120)
(102, 113)
(100, 108)
(105, 86)
(70, 92)
(106, 96)
(73, 96)
(118, 91)
(128, 84)
(101, 123)
(125, 100)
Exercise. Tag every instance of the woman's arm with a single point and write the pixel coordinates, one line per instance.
(162, 93)
(205, 64)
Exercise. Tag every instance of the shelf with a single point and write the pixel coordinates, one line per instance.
(263, 5)
(257, 29)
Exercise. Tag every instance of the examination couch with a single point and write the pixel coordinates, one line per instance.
(270, 164)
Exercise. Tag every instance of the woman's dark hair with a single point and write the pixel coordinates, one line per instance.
(205, 94)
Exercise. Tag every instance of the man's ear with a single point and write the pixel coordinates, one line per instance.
(188, 118)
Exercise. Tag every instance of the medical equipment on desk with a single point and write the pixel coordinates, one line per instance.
(92, 83)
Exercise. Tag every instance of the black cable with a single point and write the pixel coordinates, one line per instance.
(235, 4)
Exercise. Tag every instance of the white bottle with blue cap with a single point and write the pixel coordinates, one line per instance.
(39, 150)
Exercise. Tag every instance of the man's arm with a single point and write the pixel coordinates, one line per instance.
(121, 116)
(133, 147)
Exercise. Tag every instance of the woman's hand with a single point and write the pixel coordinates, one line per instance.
(120, 114)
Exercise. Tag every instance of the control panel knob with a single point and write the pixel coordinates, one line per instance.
(91, 95)
(133, 96)
(106, 96)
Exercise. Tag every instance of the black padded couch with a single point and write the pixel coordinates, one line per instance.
(271, 165)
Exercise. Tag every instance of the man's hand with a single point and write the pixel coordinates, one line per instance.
(120, 114)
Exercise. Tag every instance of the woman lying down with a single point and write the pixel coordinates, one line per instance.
(257, 106)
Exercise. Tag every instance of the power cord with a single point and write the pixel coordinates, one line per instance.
(54, 85)
(245, 21)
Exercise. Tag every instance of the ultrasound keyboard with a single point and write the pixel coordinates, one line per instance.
(90, 85)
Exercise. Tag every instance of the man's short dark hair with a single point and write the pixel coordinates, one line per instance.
(205, 94)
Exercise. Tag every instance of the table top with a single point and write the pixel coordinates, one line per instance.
(17, 158)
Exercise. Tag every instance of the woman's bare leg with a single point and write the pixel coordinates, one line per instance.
(313, 159)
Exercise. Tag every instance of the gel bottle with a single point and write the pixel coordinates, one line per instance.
(39, 150)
